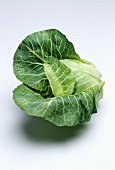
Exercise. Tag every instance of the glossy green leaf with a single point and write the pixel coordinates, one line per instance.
(68, 110)
(37, 49)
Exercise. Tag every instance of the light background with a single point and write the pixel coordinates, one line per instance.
(31, 143)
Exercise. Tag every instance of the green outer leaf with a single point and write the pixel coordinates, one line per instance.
(62, 110)
(29, 70)
(34, 51)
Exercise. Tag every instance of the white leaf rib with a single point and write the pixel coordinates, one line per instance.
(85, 99)
(77, 103)
(31, 44)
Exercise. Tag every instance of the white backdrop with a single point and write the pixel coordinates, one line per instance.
(32, 143)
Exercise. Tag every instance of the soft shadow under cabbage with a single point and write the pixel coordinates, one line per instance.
(39, 130)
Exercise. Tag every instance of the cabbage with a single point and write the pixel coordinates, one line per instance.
(57, 84)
